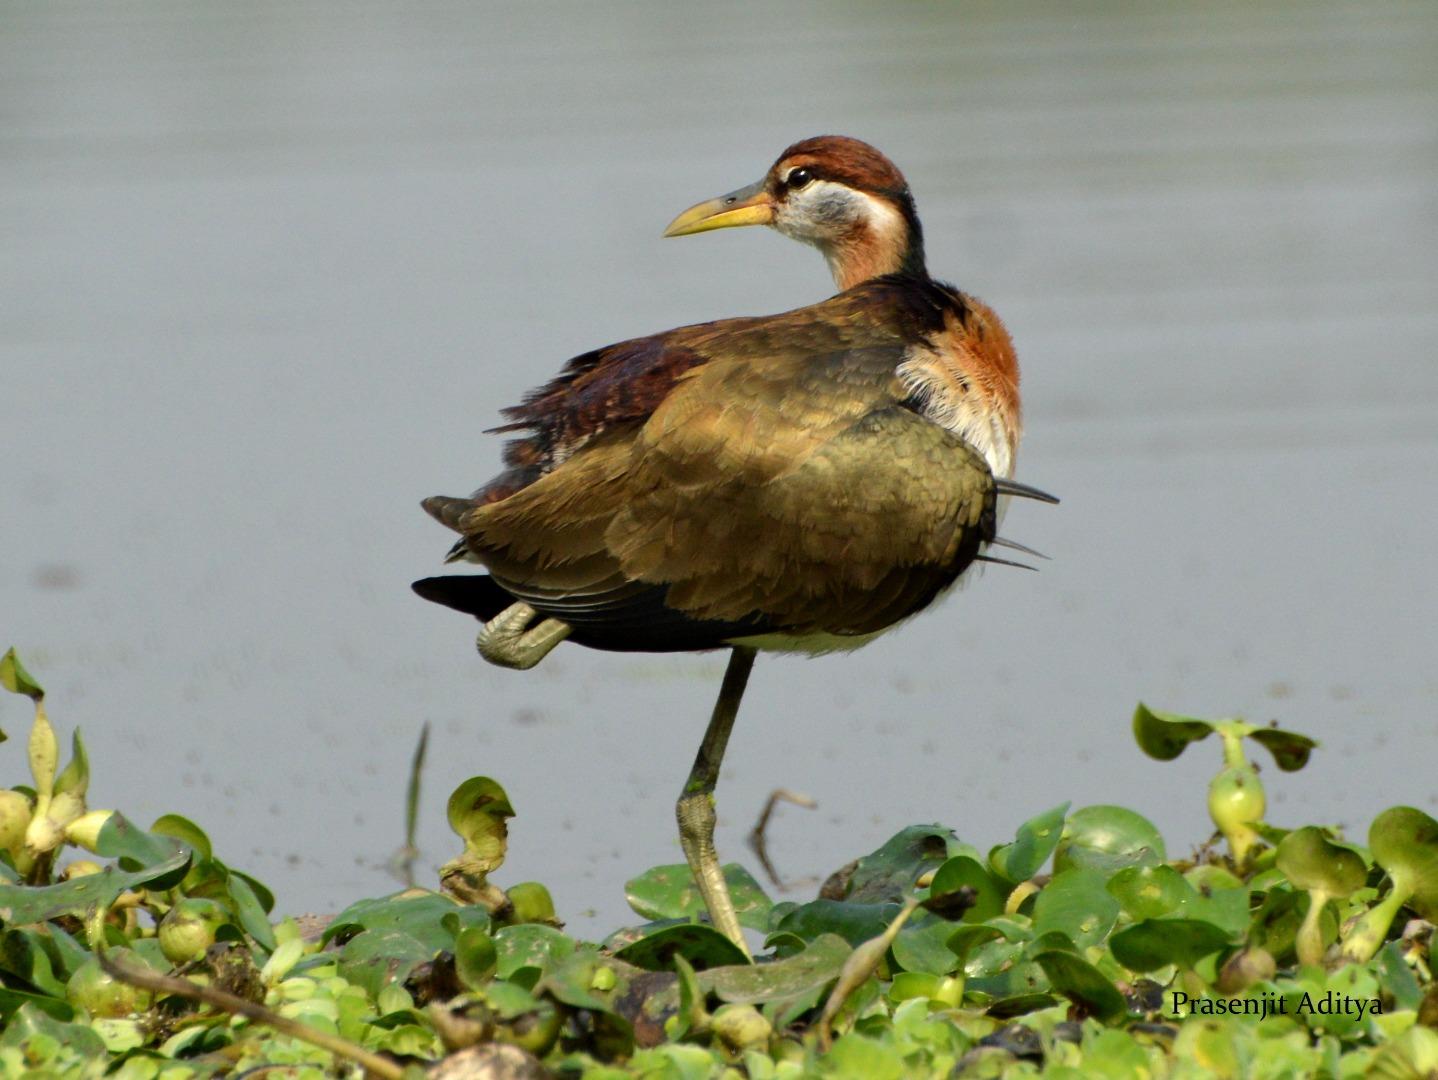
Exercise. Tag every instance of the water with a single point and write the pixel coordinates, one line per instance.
(269, 269)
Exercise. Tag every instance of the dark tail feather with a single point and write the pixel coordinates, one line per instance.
(1013, 487)
(1014, 545)
(448, 510)
(473, 594)
(1004, 562)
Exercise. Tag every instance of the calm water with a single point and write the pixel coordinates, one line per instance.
(268, 270)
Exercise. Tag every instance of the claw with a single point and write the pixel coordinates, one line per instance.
(507, 641)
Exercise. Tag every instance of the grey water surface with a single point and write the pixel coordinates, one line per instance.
(267, 271)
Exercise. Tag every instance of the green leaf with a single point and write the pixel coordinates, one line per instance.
(420, 915)
(964, 872)
(691, 1010)
(1289, 749)
(966, 939)
(183, 829)
(1083, 984)
(76, 777)
(475, 957)
(133, 846)
(529, 945)
(16, 679)
(479, 813)
(12, 1001)
(1107, 839)
(888, 874)
(30, 1023)
(1156, 943)
(249, 911)
(809, 973)
(669, 892)
(854, 922)
(1397, 978)
(588, 980)
(1412, 1055)
(1034, 842)
(530, 902)
(23, 956)
(379, 958)
(1274, 926)
(1165, 735)
(1211, 1042)
(1226, 908)
(21, 905)
(1150, 892)
(66, 954)
(385, 940)
(1310, 860)
(478, 794)
(263, 896)
(1077, 904)
(856, 1056)
(700, 944)
(908, 985)
(923, 946)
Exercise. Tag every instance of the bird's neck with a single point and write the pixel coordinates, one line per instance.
(887, 240)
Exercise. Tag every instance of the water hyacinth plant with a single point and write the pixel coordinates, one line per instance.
(1080, 947)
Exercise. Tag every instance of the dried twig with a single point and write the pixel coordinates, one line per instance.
(156, 983)
(758, 838)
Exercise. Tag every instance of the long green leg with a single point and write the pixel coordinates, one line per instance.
(695, 808)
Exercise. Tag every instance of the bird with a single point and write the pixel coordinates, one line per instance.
(798, 482)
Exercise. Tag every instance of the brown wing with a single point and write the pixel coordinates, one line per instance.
(776, 483)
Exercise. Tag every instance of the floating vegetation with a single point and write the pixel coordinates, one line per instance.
(1078, 948)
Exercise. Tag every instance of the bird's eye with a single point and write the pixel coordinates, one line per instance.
(798, 178)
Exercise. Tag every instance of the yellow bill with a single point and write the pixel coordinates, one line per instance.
(750, 205)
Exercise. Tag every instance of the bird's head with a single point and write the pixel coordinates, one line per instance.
(837, 193)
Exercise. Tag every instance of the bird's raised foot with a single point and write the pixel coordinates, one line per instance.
(508, 640)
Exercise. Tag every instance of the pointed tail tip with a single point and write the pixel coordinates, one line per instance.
(473, 594)
(1023, 491)
(448, 510)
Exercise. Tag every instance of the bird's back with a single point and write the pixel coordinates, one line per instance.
(777, 475)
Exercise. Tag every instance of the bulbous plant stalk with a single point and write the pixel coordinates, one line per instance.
(1366, 934)
(44, 754)
(1251, 964)
(58, 801)
(1308, 942)
(740, 1027)
(1326, 870)
(15, 814)
(189, 928)
(1236, 800)
(1404, 841)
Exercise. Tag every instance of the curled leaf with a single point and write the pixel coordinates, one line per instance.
(1289, 749)
(16, 679)
(76, 777)
(1165, 735)
(1033, 843)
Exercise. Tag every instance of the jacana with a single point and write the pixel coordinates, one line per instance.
(798, 482)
